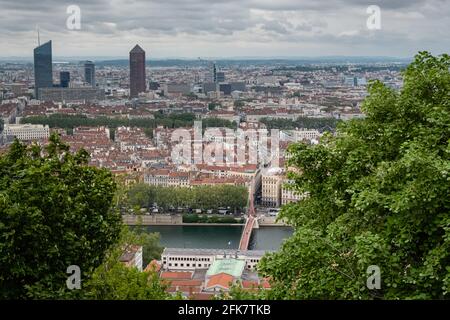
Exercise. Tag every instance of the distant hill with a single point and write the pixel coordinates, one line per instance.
(224, 62)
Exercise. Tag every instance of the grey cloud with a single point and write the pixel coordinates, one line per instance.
(318, 22)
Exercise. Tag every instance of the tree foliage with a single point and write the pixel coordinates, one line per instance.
(150, 242)
(195, 218)
(114, 281)
(174, 120)
(378, 195)
(321, 124)
(199, 197)
(54, 212)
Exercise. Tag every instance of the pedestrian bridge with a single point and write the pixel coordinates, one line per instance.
(252, 222)
(247, 232)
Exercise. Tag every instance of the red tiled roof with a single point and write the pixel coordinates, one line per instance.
(265, 284)
(202, 296)
(153, 266)
(221, 279)
(248, 284)
(176, 275)
(185, 283)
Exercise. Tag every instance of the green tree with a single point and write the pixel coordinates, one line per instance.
(149, 241)
(378, 195)
(115, 281)
(148, 132)
(199, 197)
(238, 104)
(54, 212)
(212, 106)
(321, 124)
(141, 195)
(237, 292)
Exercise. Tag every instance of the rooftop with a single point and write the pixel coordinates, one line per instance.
(137, 49)
(176, 275)
(233, 267)
(222, 279)
(209, 252)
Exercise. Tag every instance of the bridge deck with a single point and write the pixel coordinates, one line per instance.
(251, 217)
(246, 233)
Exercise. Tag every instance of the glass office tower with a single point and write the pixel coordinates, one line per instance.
(89, 73)
(43, 76)
(64, 79)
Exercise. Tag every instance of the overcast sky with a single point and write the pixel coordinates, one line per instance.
(226, 28)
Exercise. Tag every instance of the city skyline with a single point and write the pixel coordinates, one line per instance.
(228, 29)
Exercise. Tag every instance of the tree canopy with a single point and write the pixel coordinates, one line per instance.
(174, 120)
(321, 124)
(54, 212)
(112, 280)
(378, 195)
(198, 197)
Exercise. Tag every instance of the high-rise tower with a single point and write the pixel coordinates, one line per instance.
(213, 72)
(137, 71)
(43, 75)
(89, 73)
(64, 79)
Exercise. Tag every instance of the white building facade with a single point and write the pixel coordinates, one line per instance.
(184, 259)
(26, 132)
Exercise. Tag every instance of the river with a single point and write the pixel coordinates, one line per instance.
(219, 237)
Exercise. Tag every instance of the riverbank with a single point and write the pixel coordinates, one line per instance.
(169, 220)
(177, 220)
(265, 221)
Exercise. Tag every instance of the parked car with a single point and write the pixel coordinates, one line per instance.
(273, 212)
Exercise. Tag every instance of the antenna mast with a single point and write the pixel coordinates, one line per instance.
(39, 39)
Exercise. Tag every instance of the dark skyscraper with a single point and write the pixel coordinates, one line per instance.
(43, 76)
(220, 77)
(213, 73)
(137, 71)
(89, 73)
(64, 79)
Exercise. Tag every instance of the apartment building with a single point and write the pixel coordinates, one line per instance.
(167, 178)
(71, 94)
(271, 182)
(8, 112)
(247, 171)
(25, 132)
(132, 257)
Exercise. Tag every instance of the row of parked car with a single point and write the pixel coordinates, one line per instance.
(173, 210)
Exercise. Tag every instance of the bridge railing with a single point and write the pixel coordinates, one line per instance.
(246, 233)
